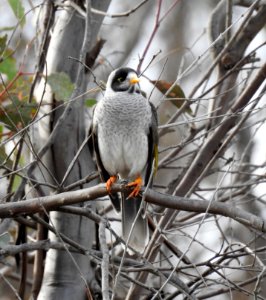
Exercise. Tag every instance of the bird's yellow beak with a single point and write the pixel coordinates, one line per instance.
(134, 80)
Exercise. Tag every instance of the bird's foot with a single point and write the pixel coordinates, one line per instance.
(137, 184)
(110, 182)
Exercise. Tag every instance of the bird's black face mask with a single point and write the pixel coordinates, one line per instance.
(123, 82)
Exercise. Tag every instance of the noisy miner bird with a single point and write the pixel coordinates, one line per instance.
(125, 139)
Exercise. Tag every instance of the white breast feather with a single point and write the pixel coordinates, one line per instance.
(122, 134)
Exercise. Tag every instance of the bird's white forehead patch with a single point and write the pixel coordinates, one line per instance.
(132, 75)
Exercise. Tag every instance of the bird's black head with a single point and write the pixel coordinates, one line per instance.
(122, 80)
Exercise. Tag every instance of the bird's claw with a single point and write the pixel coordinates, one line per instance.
(137, 184)
(110, 182)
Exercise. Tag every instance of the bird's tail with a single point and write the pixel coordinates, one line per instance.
(140, 235)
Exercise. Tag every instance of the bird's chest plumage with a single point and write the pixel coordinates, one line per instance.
(122, 123)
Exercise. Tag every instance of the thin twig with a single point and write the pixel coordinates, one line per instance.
(105, 261)
(102, 13)
(154, 31)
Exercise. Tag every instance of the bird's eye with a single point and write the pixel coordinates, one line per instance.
(120, 79)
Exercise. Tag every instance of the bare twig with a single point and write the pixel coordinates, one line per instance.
(105, 14)
(158, 21)
(156, 26)
(105, 261)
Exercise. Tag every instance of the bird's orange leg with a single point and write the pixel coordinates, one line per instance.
(110, 182)
(137, 183)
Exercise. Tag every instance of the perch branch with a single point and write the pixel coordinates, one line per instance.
(53, 202)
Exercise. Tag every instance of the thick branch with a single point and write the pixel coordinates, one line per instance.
(53, 202)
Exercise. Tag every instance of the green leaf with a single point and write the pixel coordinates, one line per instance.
(17, 113)
(8, 28)
(90, 102)
(8, 65)
(61, 85)
(18, 10)
(3, 40)
(3, 158)
(4, 239)
(17, 182)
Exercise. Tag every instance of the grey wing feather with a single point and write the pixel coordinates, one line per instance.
(152, 141)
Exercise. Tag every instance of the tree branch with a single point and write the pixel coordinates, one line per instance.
(53, 202)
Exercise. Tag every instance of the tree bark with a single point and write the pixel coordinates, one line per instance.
(65, 275)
